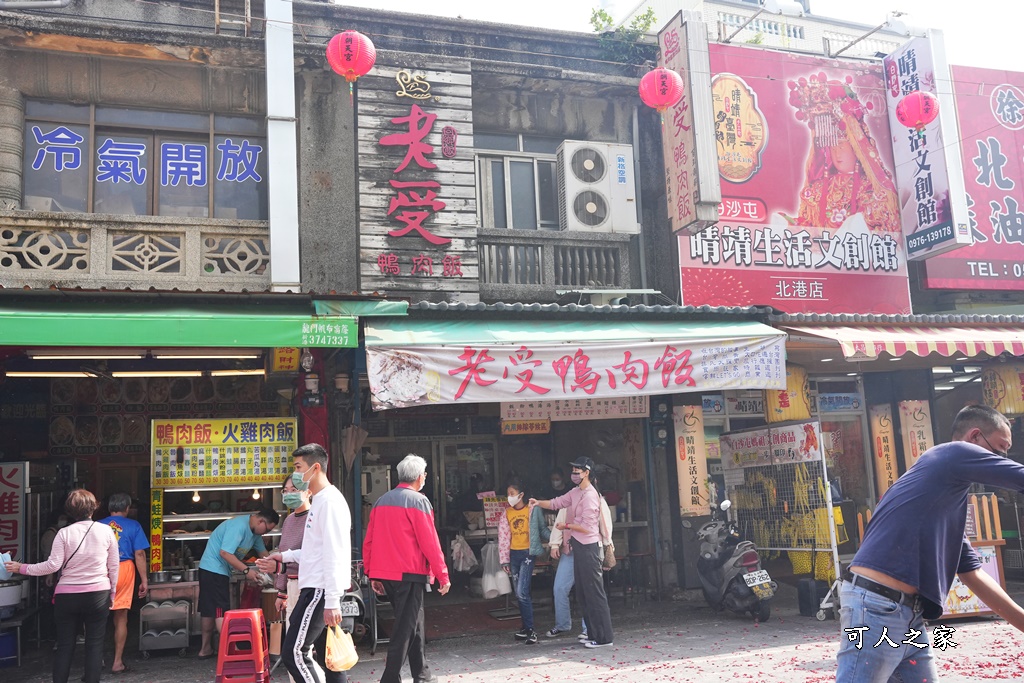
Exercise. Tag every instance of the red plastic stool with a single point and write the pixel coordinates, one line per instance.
(244, 655)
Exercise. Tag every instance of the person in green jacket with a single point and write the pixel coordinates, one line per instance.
(522, 533)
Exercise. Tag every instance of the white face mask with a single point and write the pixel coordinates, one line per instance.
(514, 500)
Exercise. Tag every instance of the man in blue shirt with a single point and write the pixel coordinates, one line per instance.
(912, 549)
(229, 543)
(132, 545)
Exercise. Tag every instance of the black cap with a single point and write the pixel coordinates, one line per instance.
(583, 463)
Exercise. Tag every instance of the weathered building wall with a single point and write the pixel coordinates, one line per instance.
(328, 231)
(87, 78)
(553, 108)
(12, 143)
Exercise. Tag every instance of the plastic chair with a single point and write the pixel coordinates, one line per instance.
(244, 654)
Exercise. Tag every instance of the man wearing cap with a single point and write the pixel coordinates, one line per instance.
(583, 527)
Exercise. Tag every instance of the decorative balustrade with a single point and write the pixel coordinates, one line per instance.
(42, 249)
(529, 265)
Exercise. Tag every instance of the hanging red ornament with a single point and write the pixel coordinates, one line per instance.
(661, 88)
(917, 110)
(351, 54)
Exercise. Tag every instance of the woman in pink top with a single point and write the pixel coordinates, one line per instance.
(86, 555)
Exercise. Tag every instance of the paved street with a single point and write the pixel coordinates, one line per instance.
(668, 641)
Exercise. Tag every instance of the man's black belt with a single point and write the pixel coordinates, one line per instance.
(909, 599)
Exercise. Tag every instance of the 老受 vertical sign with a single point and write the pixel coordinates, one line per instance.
(688, 143)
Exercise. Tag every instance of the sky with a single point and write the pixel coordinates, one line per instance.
(991, 36)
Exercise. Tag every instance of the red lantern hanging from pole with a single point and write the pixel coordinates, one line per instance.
(917, 110)
(351, 54)
(661, 88)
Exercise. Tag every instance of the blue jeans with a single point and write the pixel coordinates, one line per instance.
(864, 654)
(564, 581)
(521, 569)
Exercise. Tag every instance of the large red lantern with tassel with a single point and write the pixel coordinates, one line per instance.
(661, 88)
(917, 110)
(351, 54)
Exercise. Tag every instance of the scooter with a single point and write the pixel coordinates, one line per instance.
(354, 617)
(730, 569)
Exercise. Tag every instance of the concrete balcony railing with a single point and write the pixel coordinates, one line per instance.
(42, 249)
(530, 265)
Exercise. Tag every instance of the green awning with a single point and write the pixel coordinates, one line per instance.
(406, 332)
(361, 309)
(213, 326)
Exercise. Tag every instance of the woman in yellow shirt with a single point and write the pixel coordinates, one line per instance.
(522, 534)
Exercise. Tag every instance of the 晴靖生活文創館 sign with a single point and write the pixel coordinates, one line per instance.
(809, 220)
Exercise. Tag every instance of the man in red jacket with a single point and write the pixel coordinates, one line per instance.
(402, 554)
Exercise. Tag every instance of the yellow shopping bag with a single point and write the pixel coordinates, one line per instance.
(824, 567)
(801, 561)
(341, 653)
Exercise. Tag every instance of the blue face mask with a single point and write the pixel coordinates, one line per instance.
(299, 481)
(293, 499)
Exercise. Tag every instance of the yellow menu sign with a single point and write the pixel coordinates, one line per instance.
(203, 452)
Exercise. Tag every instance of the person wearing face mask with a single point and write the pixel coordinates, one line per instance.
(915, 545)
(402, 555)
(564, 573)
(558, 484)
(325, 566)
(522, 534)
(286, 574)
(583, 527)
(229, 543)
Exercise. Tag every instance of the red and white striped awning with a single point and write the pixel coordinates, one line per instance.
(868, 342)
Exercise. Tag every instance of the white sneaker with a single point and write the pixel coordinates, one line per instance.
(592, 644)
(582, 637)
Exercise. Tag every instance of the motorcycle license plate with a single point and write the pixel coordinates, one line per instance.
(349, 608)
(760, 583)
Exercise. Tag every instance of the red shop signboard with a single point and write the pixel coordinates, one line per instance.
(809, 219)
(990, 109)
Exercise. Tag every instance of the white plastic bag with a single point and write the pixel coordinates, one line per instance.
(503, 583)
(494, 580)
(463, 557)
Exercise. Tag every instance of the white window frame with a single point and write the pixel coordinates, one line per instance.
(484, 185)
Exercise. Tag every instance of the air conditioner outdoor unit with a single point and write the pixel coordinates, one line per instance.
(596, 187)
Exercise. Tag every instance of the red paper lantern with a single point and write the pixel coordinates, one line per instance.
(351, 54)
(917, 110)
(661, 88)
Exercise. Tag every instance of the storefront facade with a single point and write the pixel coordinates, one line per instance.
(596, 384)
(149, 170)
(192, 409)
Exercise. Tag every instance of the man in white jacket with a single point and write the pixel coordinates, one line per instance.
(325, 568)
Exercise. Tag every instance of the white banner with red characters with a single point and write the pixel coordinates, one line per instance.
(774, 445)
(13, 489)
(485, 366)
